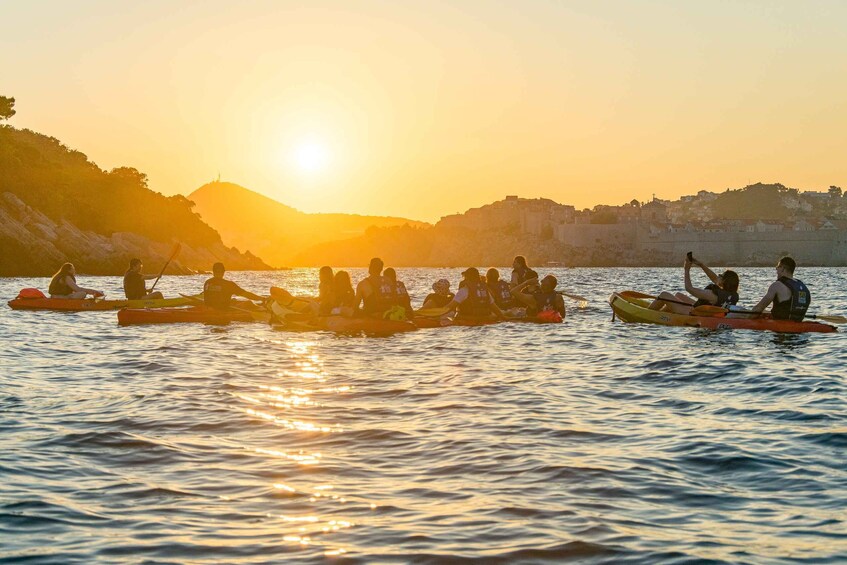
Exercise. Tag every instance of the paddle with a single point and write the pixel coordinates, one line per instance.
(176, 249)
(825, 317)
(576, 297)
(704, 310)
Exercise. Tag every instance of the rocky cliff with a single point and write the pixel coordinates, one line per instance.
(32, 244)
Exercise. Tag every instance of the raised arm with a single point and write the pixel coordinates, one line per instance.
(701, 293)
(709, 272)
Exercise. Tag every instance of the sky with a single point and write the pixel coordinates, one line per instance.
(423, 109)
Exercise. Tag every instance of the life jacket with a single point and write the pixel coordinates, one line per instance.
(501, 291)
(544, 301)
(477, 304)
(795, 307)
(724, 300)
(383, 296)
(58, 286)
(523, 275)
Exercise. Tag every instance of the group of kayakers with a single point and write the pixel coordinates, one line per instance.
(789, 296)
(381, 294)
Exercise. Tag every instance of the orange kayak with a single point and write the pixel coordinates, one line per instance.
(192, 314)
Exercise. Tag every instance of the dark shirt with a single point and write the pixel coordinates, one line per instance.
(217, 293)
(134, 287)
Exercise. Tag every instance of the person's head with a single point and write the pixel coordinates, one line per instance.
(375, 268)
(785, 267)
(218, 270)
(325, 274)
(65, 270)
(519, 262)
(390, 274)
(441, 286)
(549, 283)
(342, 281)
(492, 276)
(135, 265)
(471, 274)
(728, 280)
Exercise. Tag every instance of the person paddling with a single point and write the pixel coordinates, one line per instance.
(790, 297)
(134, 283)
(218, 291)
(374, 294)
(63, 285)
(722, 291)
(473, 299)
(545, 299)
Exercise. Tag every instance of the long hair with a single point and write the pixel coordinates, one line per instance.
(342, 284)
(64, 271)
(730, 281)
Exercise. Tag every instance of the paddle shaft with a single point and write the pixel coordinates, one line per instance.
(168, 262)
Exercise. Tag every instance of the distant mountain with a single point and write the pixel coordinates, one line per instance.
(276, 232)
(57, 206)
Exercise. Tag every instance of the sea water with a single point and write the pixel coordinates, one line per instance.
(591, 441)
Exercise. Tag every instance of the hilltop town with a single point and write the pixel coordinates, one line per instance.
(746, 226)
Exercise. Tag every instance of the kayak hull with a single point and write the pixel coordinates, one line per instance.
(635, 310)
(423, 322)
(340, 324)
(91, 304)
(192, 314)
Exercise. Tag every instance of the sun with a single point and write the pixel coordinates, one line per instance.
(310, 157)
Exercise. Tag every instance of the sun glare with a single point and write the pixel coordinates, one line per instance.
(310, 157)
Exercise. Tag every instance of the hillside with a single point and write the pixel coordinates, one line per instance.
(56, 205)
(276, 232)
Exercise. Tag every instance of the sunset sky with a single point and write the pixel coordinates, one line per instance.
(422, 109)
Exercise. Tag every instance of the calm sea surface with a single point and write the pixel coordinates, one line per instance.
(592, 441)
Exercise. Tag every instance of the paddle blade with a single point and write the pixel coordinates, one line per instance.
(831, 319)
(707, 310)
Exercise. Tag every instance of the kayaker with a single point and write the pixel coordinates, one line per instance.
(341, 299)
(790, 297)
(521, 272)
(722, 291)
(63, 285)
(326, 282)
(473, 300)
(500, 290)
(373, 293)
(441, 295)
(544, 299)
(399, 289)
(134, 283)
(218, 291)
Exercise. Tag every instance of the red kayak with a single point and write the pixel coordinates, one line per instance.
(340, 324)
(193, 314)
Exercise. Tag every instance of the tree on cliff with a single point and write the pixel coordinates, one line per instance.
(7, 107)
(835, 192)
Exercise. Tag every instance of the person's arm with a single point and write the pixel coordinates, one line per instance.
(518, 294)
(360, 294)
(768, 298)
(701, 293)
(70, 282)
(709, 272)
(496, 309)
(560, 305)
(245, 293)
(149, 277)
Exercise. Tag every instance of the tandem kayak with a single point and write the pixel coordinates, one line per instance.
(92, 304)
(636, 310)
(432, 322)
(192, 314)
